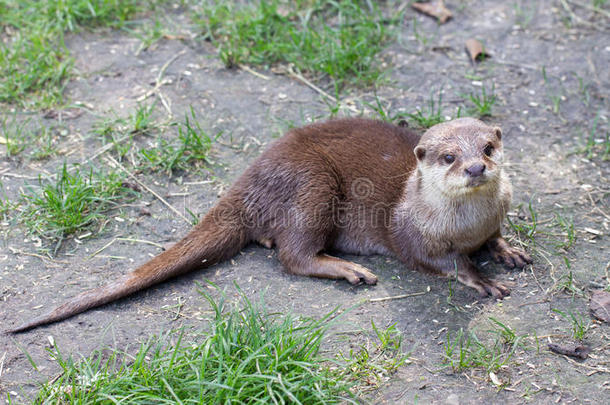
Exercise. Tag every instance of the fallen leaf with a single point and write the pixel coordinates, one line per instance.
(570, 349)
(435, 9)
(476, 50)
(600, 305)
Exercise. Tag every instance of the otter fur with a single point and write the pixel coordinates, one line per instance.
(356, 186)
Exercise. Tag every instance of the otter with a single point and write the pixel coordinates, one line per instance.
(356, 186)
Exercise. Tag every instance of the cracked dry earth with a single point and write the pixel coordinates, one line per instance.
(543, 159)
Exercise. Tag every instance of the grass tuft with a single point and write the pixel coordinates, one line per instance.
(580, 324)
(14, 134)
(74, 201)
(247, 356)
(372, 364)
(465, 351)
(432, 115)
(34, 61)
(192, 146)
(338, 40)
(482, 102)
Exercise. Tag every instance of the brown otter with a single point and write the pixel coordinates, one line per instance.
(356, 186)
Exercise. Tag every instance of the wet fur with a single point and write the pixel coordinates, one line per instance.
(351, 185)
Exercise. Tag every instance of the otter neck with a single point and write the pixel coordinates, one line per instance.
(438, 215)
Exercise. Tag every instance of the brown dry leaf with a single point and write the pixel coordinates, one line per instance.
(600, 305)
(435, 9)
(570, 349)
(476, 50)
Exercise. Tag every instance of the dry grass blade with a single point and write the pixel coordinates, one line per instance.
(117, 165)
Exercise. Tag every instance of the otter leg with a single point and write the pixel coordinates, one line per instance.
(326, 266)
(504, 253)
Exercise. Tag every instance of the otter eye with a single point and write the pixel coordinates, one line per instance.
(488, 150)
(449, 159)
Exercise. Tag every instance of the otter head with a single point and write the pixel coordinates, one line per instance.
(460, 157)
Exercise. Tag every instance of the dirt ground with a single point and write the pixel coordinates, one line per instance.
(543, 160)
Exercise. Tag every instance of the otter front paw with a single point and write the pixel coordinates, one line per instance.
(356, 273)
(484, 286)
(511, 257)
(504, 253)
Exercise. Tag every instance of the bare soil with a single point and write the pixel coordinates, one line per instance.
(541, 152)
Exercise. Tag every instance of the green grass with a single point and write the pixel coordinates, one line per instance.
(191, 147)
(120, 132)
(20, 135)
(383, 111)
(432, 114)
(337, 41)
(597, 142)
(482, 102)
(45, 144)
(188, 148)
(246, 356)
(14, 134)
(34, 61)
(464, 351)
(6, 205)
(526, 229)
(523, 13)
(371, 364)
(72, 201)
(567, 284)
(579, 323)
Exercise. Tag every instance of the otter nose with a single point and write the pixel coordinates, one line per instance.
(475, 170)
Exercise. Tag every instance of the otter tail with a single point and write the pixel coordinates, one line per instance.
(218, 236)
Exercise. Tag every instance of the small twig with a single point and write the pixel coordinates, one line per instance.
(516, 64)
(2, 364)
(597, 369)
(148, 242)
(536, 278)
(253, 72)
(533, 303)
(590, 7)
(166, 103)
(303, 80)
(159, 81)
(574, 17)
(299, 77)
(41, 257)
(19, 176)
(100, 249)
(151, 191)
(102, 150)
(396, 297)
(178, 307)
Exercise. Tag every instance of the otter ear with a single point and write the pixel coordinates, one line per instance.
(420, 152)
(498, 133)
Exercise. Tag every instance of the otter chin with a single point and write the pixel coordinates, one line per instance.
(478, 182)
